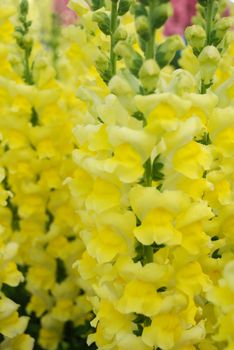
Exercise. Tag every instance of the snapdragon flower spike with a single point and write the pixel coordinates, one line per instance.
(108, 23)
(24, 40)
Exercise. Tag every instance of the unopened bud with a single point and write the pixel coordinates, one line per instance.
(16, 62)
(132, 59)
(144, 2)
(202, 2)
(123, 49)
(102, 62)
(28, 41)
(182, 81)
(119, 86)
(103, 21)
(24, 7)
(208, 59)
(149, 74)
(196, 36)
(18, 35)
(124, 6)
(97, 4)
(160, 15)
(142, 27)
(167, 50)
(120, 34)
(140, 10)
(221, 27)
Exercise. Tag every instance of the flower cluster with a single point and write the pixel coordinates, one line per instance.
(154, 190)
(39, 227)
(116, 177)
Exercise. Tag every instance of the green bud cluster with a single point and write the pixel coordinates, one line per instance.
(54, 41)
(108, 21)
(151, 15)
(24, 39)
(209, 21)
(208, 37)
(24, 8)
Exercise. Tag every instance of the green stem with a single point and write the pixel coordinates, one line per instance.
(204, 86)
(114, 18)
(55, 40)
(149, 53)
(147, 175)
(148, 250)
(150, 47)
(209, 25)
(148, 254)
(209, 20)
(27, 72)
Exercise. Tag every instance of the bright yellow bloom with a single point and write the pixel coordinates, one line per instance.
(192, 160)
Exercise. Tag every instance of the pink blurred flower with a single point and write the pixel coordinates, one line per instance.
(184, 10)
(66, 15)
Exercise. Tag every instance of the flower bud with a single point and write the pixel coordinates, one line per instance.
(182, 82)
(144, 2)
(124, 6)
(120, 34)
(140, 10)
(119, 86)
(208, 59)
(16, 62)
(196, 36)
(103, 21)
(142, 27)
(160, 15)
(97, 4)
(24, 7)
(221, 27)
(123, 50)
(18, 36)
(167, 50)
(28, 41)
(102, 62)
(20, 41)
(202, 2)
(132, 59)
(149, 74)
